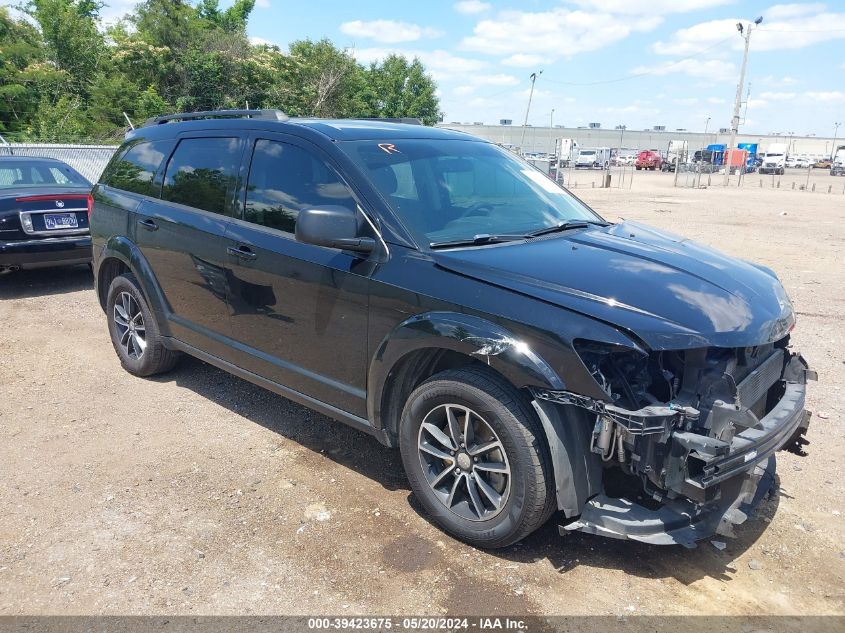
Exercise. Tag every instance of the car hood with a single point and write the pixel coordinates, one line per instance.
(670, 292)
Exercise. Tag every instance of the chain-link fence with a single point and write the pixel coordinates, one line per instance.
(88, 160)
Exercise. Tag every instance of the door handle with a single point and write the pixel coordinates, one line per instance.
(148, 224)
(243, 252)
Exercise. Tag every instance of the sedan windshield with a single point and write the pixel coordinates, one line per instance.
(456, 190)
(34, 173)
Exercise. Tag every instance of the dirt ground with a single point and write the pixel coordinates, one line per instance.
(198, 493)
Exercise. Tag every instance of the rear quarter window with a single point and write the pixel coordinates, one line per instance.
(135, 170)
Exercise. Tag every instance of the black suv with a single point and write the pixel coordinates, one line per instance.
(436, 291)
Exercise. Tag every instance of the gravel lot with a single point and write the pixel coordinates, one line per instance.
(198, 493)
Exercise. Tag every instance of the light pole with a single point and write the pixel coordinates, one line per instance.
(833, 149)
(552, 118)
(745, 32)
(706, 125)
(528, 109)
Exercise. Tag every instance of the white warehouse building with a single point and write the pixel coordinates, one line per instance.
(542, 139)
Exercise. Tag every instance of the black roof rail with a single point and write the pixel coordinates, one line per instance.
(273, 115)
(402, 119)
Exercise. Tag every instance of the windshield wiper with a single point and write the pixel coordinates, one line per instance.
(477, 240)
(565, 226)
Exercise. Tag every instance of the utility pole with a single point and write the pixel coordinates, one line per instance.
(552, 118)
(528, 109)
(833, 149)
(746, 35)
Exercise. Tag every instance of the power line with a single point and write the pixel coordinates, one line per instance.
(803, 30)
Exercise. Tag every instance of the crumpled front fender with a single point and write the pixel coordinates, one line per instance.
(491, 343)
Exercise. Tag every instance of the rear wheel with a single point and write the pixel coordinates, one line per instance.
(476, 457)
(134, 331)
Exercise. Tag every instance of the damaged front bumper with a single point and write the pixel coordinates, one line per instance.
(699, 484)
(678, 521)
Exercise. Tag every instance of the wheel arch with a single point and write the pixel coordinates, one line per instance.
(428, 343)
(120, 255)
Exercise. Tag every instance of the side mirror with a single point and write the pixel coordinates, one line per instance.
(332, 226)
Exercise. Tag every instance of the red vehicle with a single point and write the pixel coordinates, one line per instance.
(648, 159)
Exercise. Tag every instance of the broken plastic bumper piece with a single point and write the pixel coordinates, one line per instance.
(705, 484)
(678, 521)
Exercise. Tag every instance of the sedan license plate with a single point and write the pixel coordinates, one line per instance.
(60, 221)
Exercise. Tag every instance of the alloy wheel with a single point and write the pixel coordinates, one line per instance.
(131, 330)
(464, 462)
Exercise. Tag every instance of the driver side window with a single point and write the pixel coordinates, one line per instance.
(284, 179)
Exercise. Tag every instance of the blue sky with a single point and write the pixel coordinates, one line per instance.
(634, 62)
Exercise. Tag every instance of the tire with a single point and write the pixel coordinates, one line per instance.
(139, 345)
(501, 419)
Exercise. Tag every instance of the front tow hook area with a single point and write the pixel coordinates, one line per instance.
(678, 521)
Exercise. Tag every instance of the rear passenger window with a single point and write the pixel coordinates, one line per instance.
(135, 171)
(284, 179)
(202, 172)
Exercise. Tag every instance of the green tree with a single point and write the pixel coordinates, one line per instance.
(65, 77)
(72, 41)
(318, 79)
(21, 49)
(398, 88)
(232, 20)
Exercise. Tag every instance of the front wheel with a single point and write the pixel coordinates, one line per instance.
(476, 457)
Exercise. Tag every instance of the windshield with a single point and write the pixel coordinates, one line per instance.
(30, 173)
(447, 190)
(587, 153)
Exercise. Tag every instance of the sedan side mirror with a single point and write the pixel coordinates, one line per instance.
(332, 226)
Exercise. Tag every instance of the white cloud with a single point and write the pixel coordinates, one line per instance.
(483, 102)
(686, 101)
(521, 60)
(538, 93)
(806, 25)
(777, 96)
(650, 7)
(554, 32)
(634, 108)
(716, 100)
(775, 81)
(475, 81)
(262, 4)
(712, 69)
(471, 7)
(388, 31)
(803, 98)
(828, 96)
(785, 11)
(440, 64)
(500, 79)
